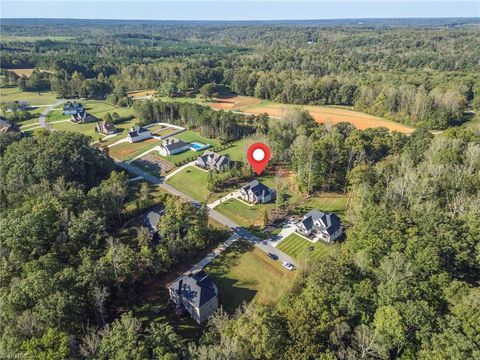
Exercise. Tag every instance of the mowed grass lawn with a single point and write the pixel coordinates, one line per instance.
(328, 202)
(127, 151)
(32, 97)
(245, 273)
(192, 181)
(86, 129)
(243, 214)
(300, 248)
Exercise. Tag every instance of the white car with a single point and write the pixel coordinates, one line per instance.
(288, 266)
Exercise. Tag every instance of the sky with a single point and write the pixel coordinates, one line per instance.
(236, 9)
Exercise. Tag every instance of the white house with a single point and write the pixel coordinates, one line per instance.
(138, 133)
(72, 108)
(256, 192)
(173, 146)
(318, 225)
(213, 161)
(197, 294)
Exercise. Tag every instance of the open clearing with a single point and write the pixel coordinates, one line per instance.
(300, 248)
(141, 93)
(127, 151)
(26, 72)
(321, 114)
(32, 97)
(244, 273)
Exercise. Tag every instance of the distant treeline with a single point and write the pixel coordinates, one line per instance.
(425, 76)
(226, 126)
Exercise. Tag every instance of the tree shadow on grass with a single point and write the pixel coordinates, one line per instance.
(231, 295)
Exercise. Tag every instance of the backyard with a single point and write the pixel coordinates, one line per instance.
(127, 151)
(244, 273)
(299, 248)
(191, 136)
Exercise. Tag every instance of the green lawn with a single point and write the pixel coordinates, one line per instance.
(57, 115)
(241, 213)
(86, 129)
(127, 151)
(192, 181)
(33, 97)
(299, 248)
(328, 202)
(238, 150)
(244, 273)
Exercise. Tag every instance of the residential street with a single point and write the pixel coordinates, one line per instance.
(264, 245)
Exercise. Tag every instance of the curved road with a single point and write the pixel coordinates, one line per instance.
(42, 119)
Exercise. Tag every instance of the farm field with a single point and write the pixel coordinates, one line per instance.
(321, 114)
(244, 273)
(127, 151)
(32, 97)
(299, 248)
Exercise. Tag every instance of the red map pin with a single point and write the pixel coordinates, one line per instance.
(258, 155)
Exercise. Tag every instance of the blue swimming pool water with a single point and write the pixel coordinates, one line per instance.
(195, 146)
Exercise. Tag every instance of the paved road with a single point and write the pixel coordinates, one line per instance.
(42, 119)
(222, 219)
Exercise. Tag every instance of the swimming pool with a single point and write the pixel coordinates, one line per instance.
(196, 146)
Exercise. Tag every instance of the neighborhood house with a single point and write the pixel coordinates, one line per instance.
(72, 108)
(17, 105)
(173, 146)
(213, 161)
(83, 117)
(8, 127)
(106, 128)
(195, 293)
(319, 225)
(257, 193)
(138, 133)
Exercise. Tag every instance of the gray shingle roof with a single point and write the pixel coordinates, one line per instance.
(257, 188)
(197, 288)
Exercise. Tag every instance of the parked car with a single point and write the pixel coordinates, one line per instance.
(288, 266)
(272, 256)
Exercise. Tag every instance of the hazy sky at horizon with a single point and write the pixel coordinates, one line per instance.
(236, 10)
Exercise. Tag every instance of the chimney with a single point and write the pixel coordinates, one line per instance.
(180, 283)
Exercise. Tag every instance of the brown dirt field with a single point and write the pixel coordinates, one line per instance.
(141, 93)
(26, 72)
(233, 102)
(321, 114)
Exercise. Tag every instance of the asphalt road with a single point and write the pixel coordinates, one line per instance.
(42, 119)
(222, 219)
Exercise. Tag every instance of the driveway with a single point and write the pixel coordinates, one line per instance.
(42, 119)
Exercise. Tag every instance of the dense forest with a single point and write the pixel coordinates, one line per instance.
(424, 75)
